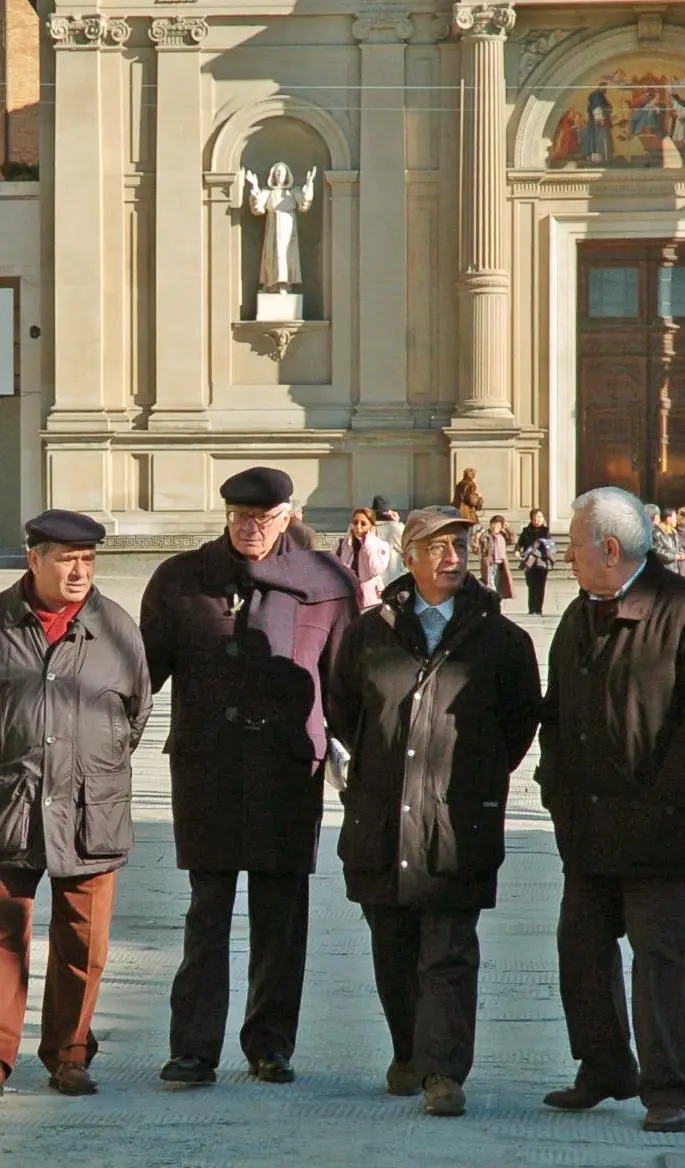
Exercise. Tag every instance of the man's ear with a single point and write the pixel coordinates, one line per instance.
(613, 550)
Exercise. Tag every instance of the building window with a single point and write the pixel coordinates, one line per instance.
(613, 292)
(9, 337)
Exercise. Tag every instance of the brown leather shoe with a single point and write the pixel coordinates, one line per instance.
(73, 1079)
(662, 1117)
(583, 1096)
(402, 1078)
(444, 1096)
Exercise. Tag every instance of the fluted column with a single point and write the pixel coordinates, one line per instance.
(484, 279)
(180, 284)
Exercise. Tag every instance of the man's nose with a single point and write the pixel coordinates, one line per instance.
(451, 554)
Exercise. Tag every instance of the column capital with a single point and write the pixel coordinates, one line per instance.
(385, 24)
(87, 32)
(178, 32)
(473, 20)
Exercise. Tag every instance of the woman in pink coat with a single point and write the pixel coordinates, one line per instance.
(366, 554)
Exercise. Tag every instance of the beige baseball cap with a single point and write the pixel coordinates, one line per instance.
(429, 520)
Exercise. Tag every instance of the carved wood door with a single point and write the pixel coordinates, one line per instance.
(631, 368)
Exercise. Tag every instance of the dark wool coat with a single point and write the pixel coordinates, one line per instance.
(70, 715)
(612, 736)
(247, 728)
(433, 743)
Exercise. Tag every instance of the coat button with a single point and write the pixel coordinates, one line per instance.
(583, 736)
(411, 753)
(51, 676)
(584, 671)
(406, 807)
(594, 798)
(404, 864)
(417, 697)
(50, 739)
(48, 801)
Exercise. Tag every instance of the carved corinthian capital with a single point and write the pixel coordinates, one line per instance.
(383, 25)
(178, 32)
(473, 19)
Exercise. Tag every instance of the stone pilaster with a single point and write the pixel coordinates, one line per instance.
(180, 292)
(382, 31)
(484, 278)
(79, 272)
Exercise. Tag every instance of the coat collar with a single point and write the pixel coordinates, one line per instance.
(640, 597)
(473, 602)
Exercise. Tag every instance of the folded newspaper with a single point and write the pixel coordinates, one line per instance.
(337, 764)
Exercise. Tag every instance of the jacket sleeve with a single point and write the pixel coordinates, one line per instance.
(345, 691)
(347, 611)
(669, 784)
(157, 629)
(550, 770)
(139, 702)
(519, 697)
(377, 555)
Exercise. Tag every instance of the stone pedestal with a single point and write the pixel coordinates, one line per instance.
(279, 306)
(484, 280)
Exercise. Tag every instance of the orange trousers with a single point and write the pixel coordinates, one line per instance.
(77, 952)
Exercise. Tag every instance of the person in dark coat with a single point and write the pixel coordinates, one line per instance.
(665, 540)
(534, 548)
(301, 532)
(612, 744)
(75, 697)
(436, 696)
(246, 627)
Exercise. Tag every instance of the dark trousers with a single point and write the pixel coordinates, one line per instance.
(426, 966)
(278, 909)
(536, 579)
(595, 912)
(77, 952)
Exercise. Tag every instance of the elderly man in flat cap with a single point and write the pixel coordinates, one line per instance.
(247, 628)
(436, 695)
(75, 696)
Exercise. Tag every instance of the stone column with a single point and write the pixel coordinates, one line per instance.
(484, 279)
(382, 32)
(78, 267)
(180, 284)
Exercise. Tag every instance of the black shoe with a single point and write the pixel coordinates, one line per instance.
(661, 1117)
(583, 1096)
(273, 1068)
(188, 1069)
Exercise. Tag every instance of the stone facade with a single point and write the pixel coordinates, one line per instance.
(19, 83)
(439, 257)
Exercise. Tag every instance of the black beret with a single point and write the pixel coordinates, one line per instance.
(260, 486)
(69, 527)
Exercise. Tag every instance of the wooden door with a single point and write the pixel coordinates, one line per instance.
(631, 368)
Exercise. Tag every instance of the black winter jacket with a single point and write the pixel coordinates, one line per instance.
(433, 743)
(70, 715)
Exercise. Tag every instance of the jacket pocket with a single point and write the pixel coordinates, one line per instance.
(14, 823)
(442, 846)
(367, 840)
(105, 826)
(482, 842)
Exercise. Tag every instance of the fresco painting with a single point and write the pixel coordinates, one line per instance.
(632, 116)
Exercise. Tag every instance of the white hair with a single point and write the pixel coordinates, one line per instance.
(611, 511)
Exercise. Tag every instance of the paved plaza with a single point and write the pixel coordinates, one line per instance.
(336, 1114)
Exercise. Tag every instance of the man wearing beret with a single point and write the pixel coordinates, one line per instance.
(247, 628)
(75, 697)
(436, 696)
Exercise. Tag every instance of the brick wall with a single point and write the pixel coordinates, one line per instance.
(21, 86)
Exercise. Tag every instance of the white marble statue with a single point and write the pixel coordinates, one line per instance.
(280, 202)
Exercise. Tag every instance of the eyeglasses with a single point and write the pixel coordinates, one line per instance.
(261, 522)
(436, 551)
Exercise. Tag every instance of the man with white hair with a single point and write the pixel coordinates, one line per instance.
(612, 743)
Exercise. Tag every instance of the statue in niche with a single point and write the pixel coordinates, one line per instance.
(280, 267)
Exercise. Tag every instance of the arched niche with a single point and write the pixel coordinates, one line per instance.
(575, 64)
(286, 139)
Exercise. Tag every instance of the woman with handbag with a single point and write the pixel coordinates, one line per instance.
(537, 552)
(366, 554)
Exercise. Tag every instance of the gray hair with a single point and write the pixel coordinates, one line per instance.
(652, 511)
(613, 512)
(41, 549)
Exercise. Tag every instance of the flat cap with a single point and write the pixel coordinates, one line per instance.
(429, 520)
(260, 486)
(68, 527)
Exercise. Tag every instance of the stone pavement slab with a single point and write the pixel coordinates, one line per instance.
(336, 1114)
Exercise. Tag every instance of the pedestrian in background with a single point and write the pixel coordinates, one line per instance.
(494, 565)
(436, 696)
(366, 554)
(246, 627)
(612, 742)
(303, 535)
(389, 527)
(665, 541)
(75, 697)
(536, 552)
(467, 498)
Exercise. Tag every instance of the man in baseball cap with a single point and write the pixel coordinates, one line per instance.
(436, 695)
